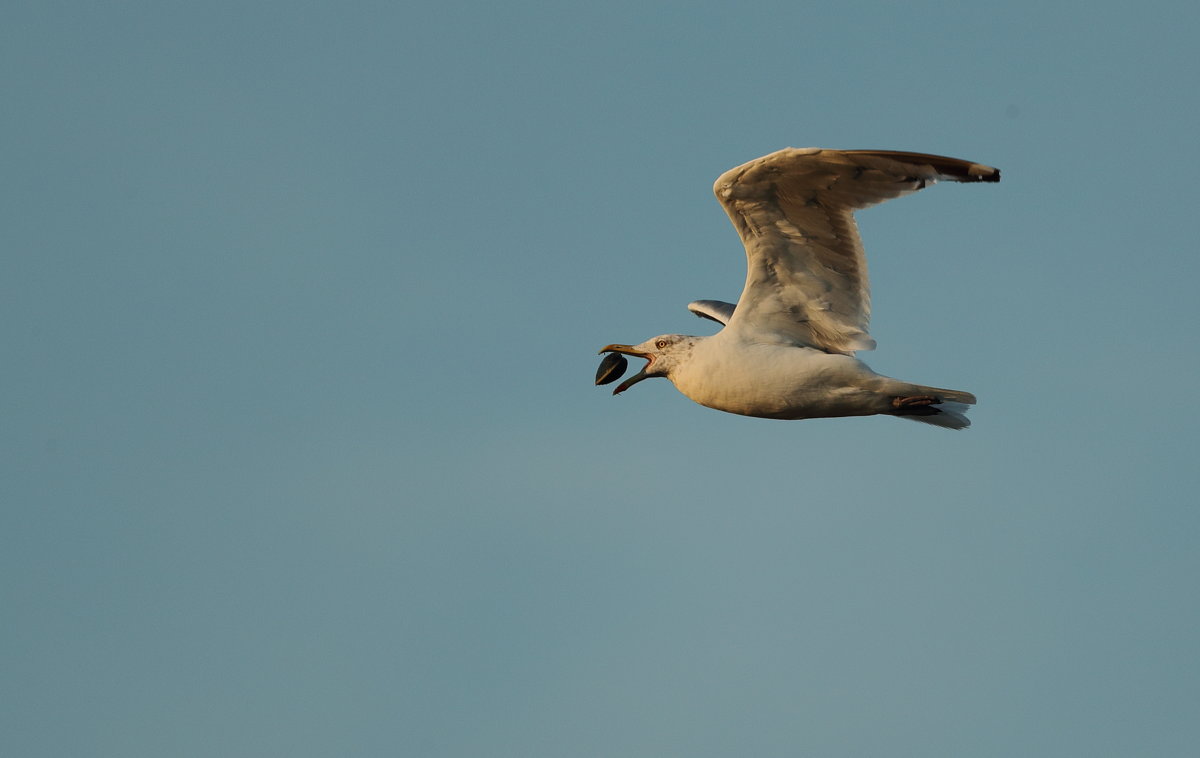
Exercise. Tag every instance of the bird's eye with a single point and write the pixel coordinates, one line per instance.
(660, 344)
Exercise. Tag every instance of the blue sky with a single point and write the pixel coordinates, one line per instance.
(302, 454)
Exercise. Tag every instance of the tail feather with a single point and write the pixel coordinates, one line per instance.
(949, 413)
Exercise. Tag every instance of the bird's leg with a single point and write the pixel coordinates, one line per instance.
(913, 402)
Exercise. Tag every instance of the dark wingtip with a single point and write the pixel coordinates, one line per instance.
(951, 168)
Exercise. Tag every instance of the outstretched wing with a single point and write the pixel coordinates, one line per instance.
(806, 279)
(715, 310)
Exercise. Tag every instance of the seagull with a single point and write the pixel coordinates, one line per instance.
(786, 350)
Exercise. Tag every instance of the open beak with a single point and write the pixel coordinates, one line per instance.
(629, 350)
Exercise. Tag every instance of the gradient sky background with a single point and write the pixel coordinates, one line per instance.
(301, 452)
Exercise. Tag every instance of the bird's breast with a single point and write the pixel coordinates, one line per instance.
(772, 381)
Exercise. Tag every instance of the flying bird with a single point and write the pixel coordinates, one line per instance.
(787, 348)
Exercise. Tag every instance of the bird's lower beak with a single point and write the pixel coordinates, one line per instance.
(639, 376)
(628, 350)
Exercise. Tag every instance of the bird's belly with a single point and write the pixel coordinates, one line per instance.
(782, 382)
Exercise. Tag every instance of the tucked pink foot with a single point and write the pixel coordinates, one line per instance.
(913, 402)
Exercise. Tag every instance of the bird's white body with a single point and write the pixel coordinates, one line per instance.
(730, 374)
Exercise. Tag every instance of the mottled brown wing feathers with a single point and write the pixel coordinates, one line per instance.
(806, 280)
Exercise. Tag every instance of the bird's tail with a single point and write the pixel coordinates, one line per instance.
(949, 409)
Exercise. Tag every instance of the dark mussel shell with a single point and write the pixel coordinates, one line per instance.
(611, 368)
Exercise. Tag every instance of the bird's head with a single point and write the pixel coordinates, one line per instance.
(662, 353)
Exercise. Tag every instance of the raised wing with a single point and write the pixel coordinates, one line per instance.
(806, 279)
(715, 310)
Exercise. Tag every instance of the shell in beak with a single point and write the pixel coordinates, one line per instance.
(627, 350)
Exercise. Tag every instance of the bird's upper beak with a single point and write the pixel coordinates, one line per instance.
(629, 350)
